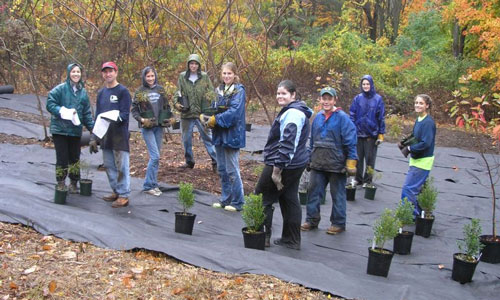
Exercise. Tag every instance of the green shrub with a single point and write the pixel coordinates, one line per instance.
(404, 212)
(186, 196)
(253, 213)
(394, 126)
(470, 245)
(385, 228)
(428, 197)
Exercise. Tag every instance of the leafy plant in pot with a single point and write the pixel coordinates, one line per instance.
(61, 190)
(370, 188)
(427, 202)
(253, 215)
(404, 238)
(83, 167)
(464, 263)
(379, 259)
(184, 220)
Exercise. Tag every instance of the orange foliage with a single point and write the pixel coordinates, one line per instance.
(414, 58)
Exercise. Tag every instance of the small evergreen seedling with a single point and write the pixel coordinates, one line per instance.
(61, 173)
(470, 245)
(186, 196)
(253, 213)
(74, 169)
(374, 174)
(404, 212)
(385, 228)
(428, 197)
(84, 169)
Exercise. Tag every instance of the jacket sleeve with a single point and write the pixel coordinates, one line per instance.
(381, 116)
(291, 126)
(87, 119)
(235, 112)
(349, 138)
(425, 141)
(125, 103)
(353, 109)
(135, 107)
(54, 101)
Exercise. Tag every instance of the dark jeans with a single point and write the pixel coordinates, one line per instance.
(367, 152)
(67, 153)
(288, 200)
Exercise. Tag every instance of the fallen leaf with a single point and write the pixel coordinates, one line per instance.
(178, 291)
(137, 270)
(126, 282)
(222, 295)
(69, 255)
(46, 247)
(13, 286)
(30, 270)
(239, 280)
(52, 286)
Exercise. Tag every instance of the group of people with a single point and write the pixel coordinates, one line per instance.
(336, 145)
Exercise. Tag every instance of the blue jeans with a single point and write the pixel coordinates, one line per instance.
(116, 163)
(153, 138)
(414, 182)
(316, 191)
(187, 126)
(229, 171)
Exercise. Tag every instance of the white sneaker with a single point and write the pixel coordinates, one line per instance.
(157, 189)
(217, 205)
(230, 208)
(153, 192)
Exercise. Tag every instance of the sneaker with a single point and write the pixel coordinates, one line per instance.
(230, 208)
(110, 198)
(335, 230)
(308, 226)
(217, 205)
(153, 192)
(158, 190)
(187, 166)
(120, 202)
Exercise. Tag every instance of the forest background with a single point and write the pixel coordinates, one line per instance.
(449, 49)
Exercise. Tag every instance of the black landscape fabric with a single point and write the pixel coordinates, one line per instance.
(335, 264)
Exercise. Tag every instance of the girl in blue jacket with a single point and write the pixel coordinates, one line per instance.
(69, 96)
(421, 151)
(228, 137)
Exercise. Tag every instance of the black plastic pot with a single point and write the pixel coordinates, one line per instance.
(350, 193)
(462, 270)
(255, 240)
(248, 127)
(85, 187)
(370, 192)
(491, 251)
(60, 196)
(379, 263)
(164, 115)
(184, 222)
(423, 226)
(147, 114)
(402, 243)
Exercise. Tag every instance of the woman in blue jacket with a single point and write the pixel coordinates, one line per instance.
(421, 151)
(69, 99)
(285, 158)
(228, 137)
(367, 112)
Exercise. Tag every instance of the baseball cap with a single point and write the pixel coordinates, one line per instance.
(328, 90)
(109, 64)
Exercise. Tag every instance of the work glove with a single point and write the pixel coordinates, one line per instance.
(276, 177)
(93, 146)
(380, 139)
(148, 122)
(169, 122)
(400, 146)
(350, 167)
(208, 121)
(179, 106)
(405, 151)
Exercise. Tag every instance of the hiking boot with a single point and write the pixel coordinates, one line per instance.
(73, 188)
(289, 245)
(308, 226)
(120, 202)
(153, 192)
(187, 166)
(335, 230)
(110, 198)
(267, 243)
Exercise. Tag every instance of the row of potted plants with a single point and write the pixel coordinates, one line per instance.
(61, 192)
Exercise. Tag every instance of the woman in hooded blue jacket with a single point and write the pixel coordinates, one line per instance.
(367, 112)
(69, 96)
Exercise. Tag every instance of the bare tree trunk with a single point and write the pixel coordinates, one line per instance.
(458, 39)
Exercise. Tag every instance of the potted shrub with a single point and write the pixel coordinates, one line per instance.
(85, 181)
(253, 215)
(61, 190)
(465, 262)
(145, 108)
(379, 259)
(427, 202)
(184, 220)
(404, 238)
(350, 190)
(370, 188)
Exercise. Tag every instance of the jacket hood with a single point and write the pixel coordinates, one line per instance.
(143, 76)
(372, 91)
(194, 57)
(68, 70)
(301, 105)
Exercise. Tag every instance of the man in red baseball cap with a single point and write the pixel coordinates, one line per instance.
(109, 64)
